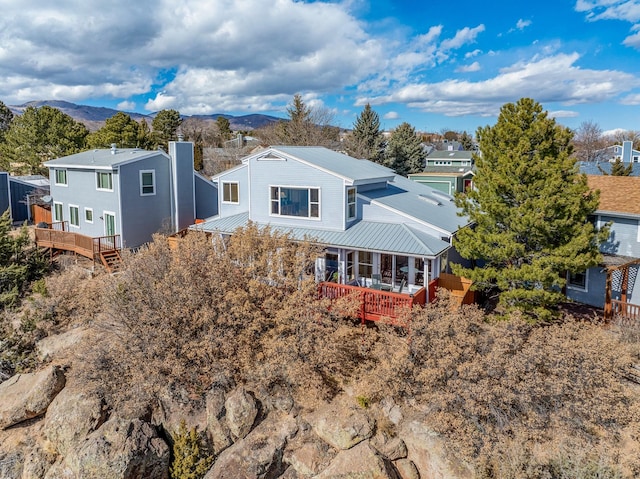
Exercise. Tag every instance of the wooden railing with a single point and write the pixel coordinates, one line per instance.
(624, 309)
(375, 304)
(460, 288)
(58, 238)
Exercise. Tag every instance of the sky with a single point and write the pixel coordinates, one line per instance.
(434, 64)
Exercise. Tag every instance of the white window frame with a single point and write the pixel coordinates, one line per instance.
(230, 200)
(153, 182)
(353, 203)
(87, 210)
(308, 188)
(577, 287)
(115, 222)
(77, 211)
(55, 176)
(98, 173)
(57, 204)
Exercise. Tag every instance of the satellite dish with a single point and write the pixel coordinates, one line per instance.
(46, 199)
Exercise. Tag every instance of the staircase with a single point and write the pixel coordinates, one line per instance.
(111, 260)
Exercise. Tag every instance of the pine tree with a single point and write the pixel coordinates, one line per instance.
(189, 460)
(618, 168)
(467, 141)
(165, 127)
(366, 141)
(530, 207)
(120, 129)
(404, 152)
(6, 117)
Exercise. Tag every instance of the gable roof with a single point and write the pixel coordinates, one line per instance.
(102, 159)
(352, 170)
(618, 194)
(450, 155)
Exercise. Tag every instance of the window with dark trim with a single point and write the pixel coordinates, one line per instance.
(147, 182)
(104, 180)
(61, 177)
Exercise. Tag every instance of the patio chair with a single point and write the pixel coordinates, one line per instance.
(376, 281)
(403, 283)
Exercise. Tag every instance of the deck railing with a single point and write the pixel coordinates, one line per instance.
(375, 304)
(624, 309)
(58, 238)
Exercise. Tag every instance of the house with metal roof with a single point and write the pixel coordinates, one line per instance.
(128, 193)
(614, 284)
(18, 193)
(379, 229)
(449, 171)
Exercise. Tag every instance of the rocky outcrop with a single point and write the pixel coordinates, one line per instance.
(342, 427)
(361, 461)
(242, 410)
(406, 469)
(216, 423)
(25, 396)
(119, 449)
(71, 417)
(259, 454)
(310, 458)
(51, 346)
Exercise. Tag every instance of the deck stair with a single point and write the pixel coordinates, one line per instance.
(111, 260)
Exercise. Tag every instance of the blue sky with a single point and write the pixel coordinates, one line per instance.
(436, 65)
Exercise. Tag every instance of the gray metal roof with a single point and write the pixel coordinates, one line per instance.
(364, 235)
(100, 159)
(451, 154)
(419, 201)
(591, 168)
(444, 170)
(353, 170)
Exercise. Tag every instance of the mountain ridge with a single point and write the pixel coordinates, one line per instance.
(93, 117)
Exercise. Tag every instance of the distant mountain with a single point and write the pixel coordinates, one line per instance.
(94, 117)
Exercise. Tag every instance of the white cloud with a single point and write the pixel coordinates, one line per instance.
(548, 79)
(624, 10)
(522, 24)
(563, 114)
(463, 37)
(472, 54)
(633, 99)
(126, 106)
(474, 67)
(391, 115)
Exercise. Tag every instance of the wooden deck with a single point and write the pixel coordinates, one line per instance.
(101, 248)
(375, 304)
(624, 309)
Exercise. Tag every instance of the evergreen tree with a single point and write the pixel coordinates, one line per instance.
(39, 135)
(366, 141)
(20, 262)
(224, 129)
(530, 207)
(144, 135)
(189, 460)
(120, 129)
(467, 141)
(618, 169)
(165, 128)
(404, 152)
(6, 117)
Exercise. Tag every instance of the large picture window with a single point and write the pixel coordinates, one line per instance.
(104, 180)
(230, 192)
(299, 202)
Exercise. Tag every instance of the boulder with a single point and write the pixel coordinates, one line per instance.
(216, 425)
(406, 469)
(36, 463)
(259, 454)
(11, 464)
(392, 449)
(361, 461)
(242, 410)
(310, 458)
(174, 407)
(119, 449)
(342, 427)
(426, 449)
(25, 396)
(50, 346)
(71, 417)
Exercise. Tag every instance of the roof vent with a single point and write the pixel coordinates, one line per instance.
(430, 199)
(441, 194)
(113, 148)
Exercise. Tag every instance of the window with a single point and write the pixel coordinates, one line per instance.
(299, 202)
(418, 267)
(147, 182)
(230, 192)
(88, 215)
(442, 162)
(74, 216)
(104, 181)
(61, 177)
(365, 264)
(57, 212)
(578, 280)
(351, 203)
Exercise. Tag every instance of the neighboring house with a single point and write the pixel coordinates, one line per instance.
(449, 171)
(604, 168)
(130, 193)
(624, 152)
(18, 193)
(375, 226)
(616, 280)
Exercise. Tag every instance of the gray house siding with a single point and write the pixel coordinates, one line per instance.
(181, 153)
(206, 198)
(19, 192)
(593, 293)
(82, 191)
(290, 173)
(144, 215)
(624, 236)
(240, 177)
(4, 192)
